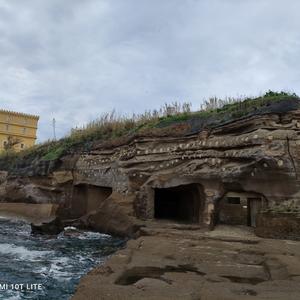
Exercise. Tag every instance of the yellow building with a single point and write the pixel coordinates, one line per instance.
(19, 128)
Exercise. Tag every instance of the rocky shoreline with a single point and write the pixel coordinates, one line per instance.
(202, 172)
(169, 261)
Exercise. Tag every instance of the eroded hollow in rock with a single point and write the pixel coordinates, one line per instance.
(182, 203)
(135, 274)
(87, 198)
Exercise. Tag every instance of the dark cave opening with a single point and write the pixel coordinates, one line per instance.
(181, 203)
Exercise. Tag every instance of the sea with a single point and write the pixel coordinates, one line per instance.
(48, 267)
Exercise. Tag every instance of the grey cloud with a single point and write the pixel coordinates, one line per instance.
(74, 59)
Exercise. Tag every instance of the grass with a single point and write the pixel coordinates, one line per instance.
(169, 120)
(227, 110)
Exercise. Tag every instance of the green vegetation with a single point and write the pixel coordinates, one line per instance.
(169, 120)
(221, 111)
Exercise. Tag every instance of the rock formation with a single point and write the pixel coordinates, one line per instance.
(213, 172)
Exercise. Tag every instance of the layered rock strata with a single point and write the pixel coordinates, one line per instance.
(114, 188)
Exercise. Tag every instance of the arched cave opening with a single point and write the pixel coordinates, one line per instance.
(181, 203)
(87, 198)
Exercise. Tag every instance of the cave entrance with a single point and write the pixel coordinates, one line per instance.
(87, 198)
(181, 203)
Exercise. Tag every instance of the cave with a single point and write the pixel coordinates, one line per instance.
(87, 198)
(181, 203)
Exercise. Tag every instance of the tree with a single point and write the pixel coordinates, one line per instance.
(11, 142)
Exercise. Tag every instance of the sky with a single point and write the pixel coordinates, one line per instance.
(73, 60)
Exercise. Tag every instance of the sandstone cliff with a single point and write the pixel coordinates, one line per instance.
(114, 186)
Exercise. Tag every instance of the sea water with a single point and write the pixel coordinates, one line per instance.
(48, 267)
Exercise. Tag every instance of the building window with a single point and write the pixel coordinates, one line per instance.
(7, 127)
(24, 130)
(233, 200)
(22, 146)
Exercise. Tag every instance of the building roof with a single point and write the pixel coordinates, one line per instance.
(19, 114)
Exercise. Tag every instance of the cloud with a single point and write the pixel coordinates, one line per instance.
(74, 60)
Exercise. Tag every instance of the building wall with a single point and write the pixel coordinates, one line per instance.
(20, 126)
(236, 213)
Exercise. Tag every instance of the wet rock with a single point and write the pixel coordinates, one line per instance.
(52, 228)
(71, 232)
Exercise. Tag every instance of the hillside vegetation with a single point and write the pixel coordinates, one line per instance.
(174, 119)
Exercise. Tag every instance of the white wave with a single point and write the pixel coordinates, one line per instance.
(23, 253)
(84, 258)
(70, 228)
(59, 268)
(90, 235)
(83, 235)
(10, 295)
(59, 273)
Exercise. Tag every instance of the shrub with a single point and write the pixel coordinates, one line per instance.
(171, 119)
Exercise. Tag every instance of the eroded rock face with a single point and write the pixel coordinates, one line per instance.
(258, 155)
(30, 190)
(278, 225)
(187, 178)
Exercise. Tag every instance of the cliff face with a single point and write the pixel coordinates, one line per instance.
(221, 173)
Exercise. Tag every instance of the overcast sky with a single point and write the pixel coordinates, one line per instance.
(75, 59)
